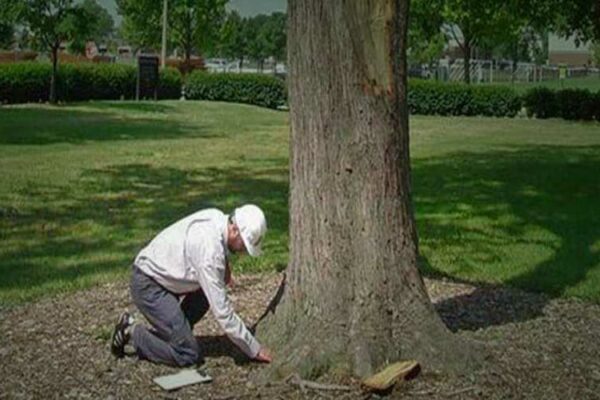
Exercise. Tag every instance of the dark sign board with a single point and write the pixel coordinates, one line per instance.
(147, 77)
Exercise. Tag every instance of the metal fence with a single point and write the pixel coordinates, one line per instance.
(490, 71)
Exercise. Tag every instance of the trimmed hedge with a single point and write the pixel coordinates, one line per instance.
(30, 82)
(170, 84)
(438, 98)
(578, 104)
(257, 89)
(571, 104)
(24, 82)
(541, 102)
(79, 82)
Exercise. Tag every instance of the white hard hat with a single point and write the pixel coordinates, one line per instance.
(252, 225)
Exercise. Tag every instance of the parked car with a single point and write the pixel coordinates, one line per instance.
(216, 64)
(419, 71)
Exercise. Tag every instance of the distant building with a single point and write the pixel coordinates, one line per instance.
(124, 52)
(565, 51)
(560, 50)
(91, 50)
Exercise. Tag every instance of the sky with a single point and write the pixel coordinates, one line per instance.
(244, 7)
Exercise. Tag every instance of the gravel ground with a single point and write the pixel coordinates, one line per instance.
(540, 348)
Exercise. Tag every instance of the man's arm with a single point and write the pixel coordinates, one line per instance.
(228, 274)
(203, 252)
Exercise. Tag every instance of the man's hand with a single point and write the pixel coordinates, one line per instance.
(264, 355)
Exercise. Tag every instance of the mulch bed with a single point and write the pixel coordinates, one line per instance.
(540, 348)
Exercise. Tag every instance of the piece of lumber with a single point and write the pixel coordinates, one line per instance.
(391, 374)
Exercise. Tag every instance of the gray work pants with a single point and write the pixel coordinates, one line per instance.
(171, 340)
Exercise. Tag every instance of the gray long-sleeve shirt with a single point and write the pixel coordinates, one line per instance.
(192, 254)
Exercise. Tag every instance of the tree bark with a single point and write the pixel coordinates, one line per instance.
(354, 298)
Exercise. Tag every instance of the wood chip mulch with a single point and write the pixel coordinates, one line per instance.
(541, 348)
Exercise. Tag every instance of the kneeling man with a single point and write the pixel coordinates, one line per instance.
(182, 273)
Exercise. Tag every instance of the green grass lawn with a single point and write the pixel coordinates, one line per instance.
(84, 186)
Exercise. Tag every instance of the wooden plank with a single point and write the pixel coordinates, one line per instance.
(391, 374)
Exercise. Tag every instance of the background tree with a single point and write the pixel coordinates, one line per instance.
(578, 18)
(524, 31)
(468, 22)
(518, 43)
(275, 34)
(100, 28)
(7, 35)
(141, 22)
(232, 40)
(426, 41)
(52, 22)
(193, 25)
(103, 25)
(8, 14)
(257, 46)
(354, 298)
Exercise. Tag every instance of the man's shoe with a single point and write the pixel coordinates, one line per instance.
(121, 335)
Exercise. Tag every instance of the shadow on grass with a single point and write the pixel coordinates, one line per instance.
(148, 107)
(95, 122)
(100, 224)
(527, 218)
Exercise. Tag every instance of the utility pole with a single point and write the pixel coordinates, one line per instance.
(163, 57)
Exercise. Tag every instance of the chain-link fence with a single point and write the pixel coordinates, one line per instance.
(491, 71)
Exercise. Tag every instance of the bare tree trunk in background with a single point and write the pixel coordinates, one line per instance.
(467, 59)
(354, 299)
(54, 54)
(188, 39)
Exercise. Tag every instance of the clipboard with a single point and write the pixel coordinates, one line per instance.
(182, 378)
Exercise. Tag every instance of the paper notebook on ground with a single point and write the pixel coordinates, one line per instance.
(182, 378)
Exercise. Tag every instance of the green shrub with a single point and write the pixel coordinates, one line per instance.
(24, 82)
(497, 101)
(257, 89)
(541, 102)
(571, 104)
(79, 82)
(30, 82)
(170, 84)
(577, 104)
(439, 98)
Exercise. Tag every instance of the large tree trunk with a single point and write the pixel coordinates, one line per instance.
(354, 298)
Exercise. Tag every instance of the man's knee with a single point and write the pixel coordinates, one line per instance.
(187, 352)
